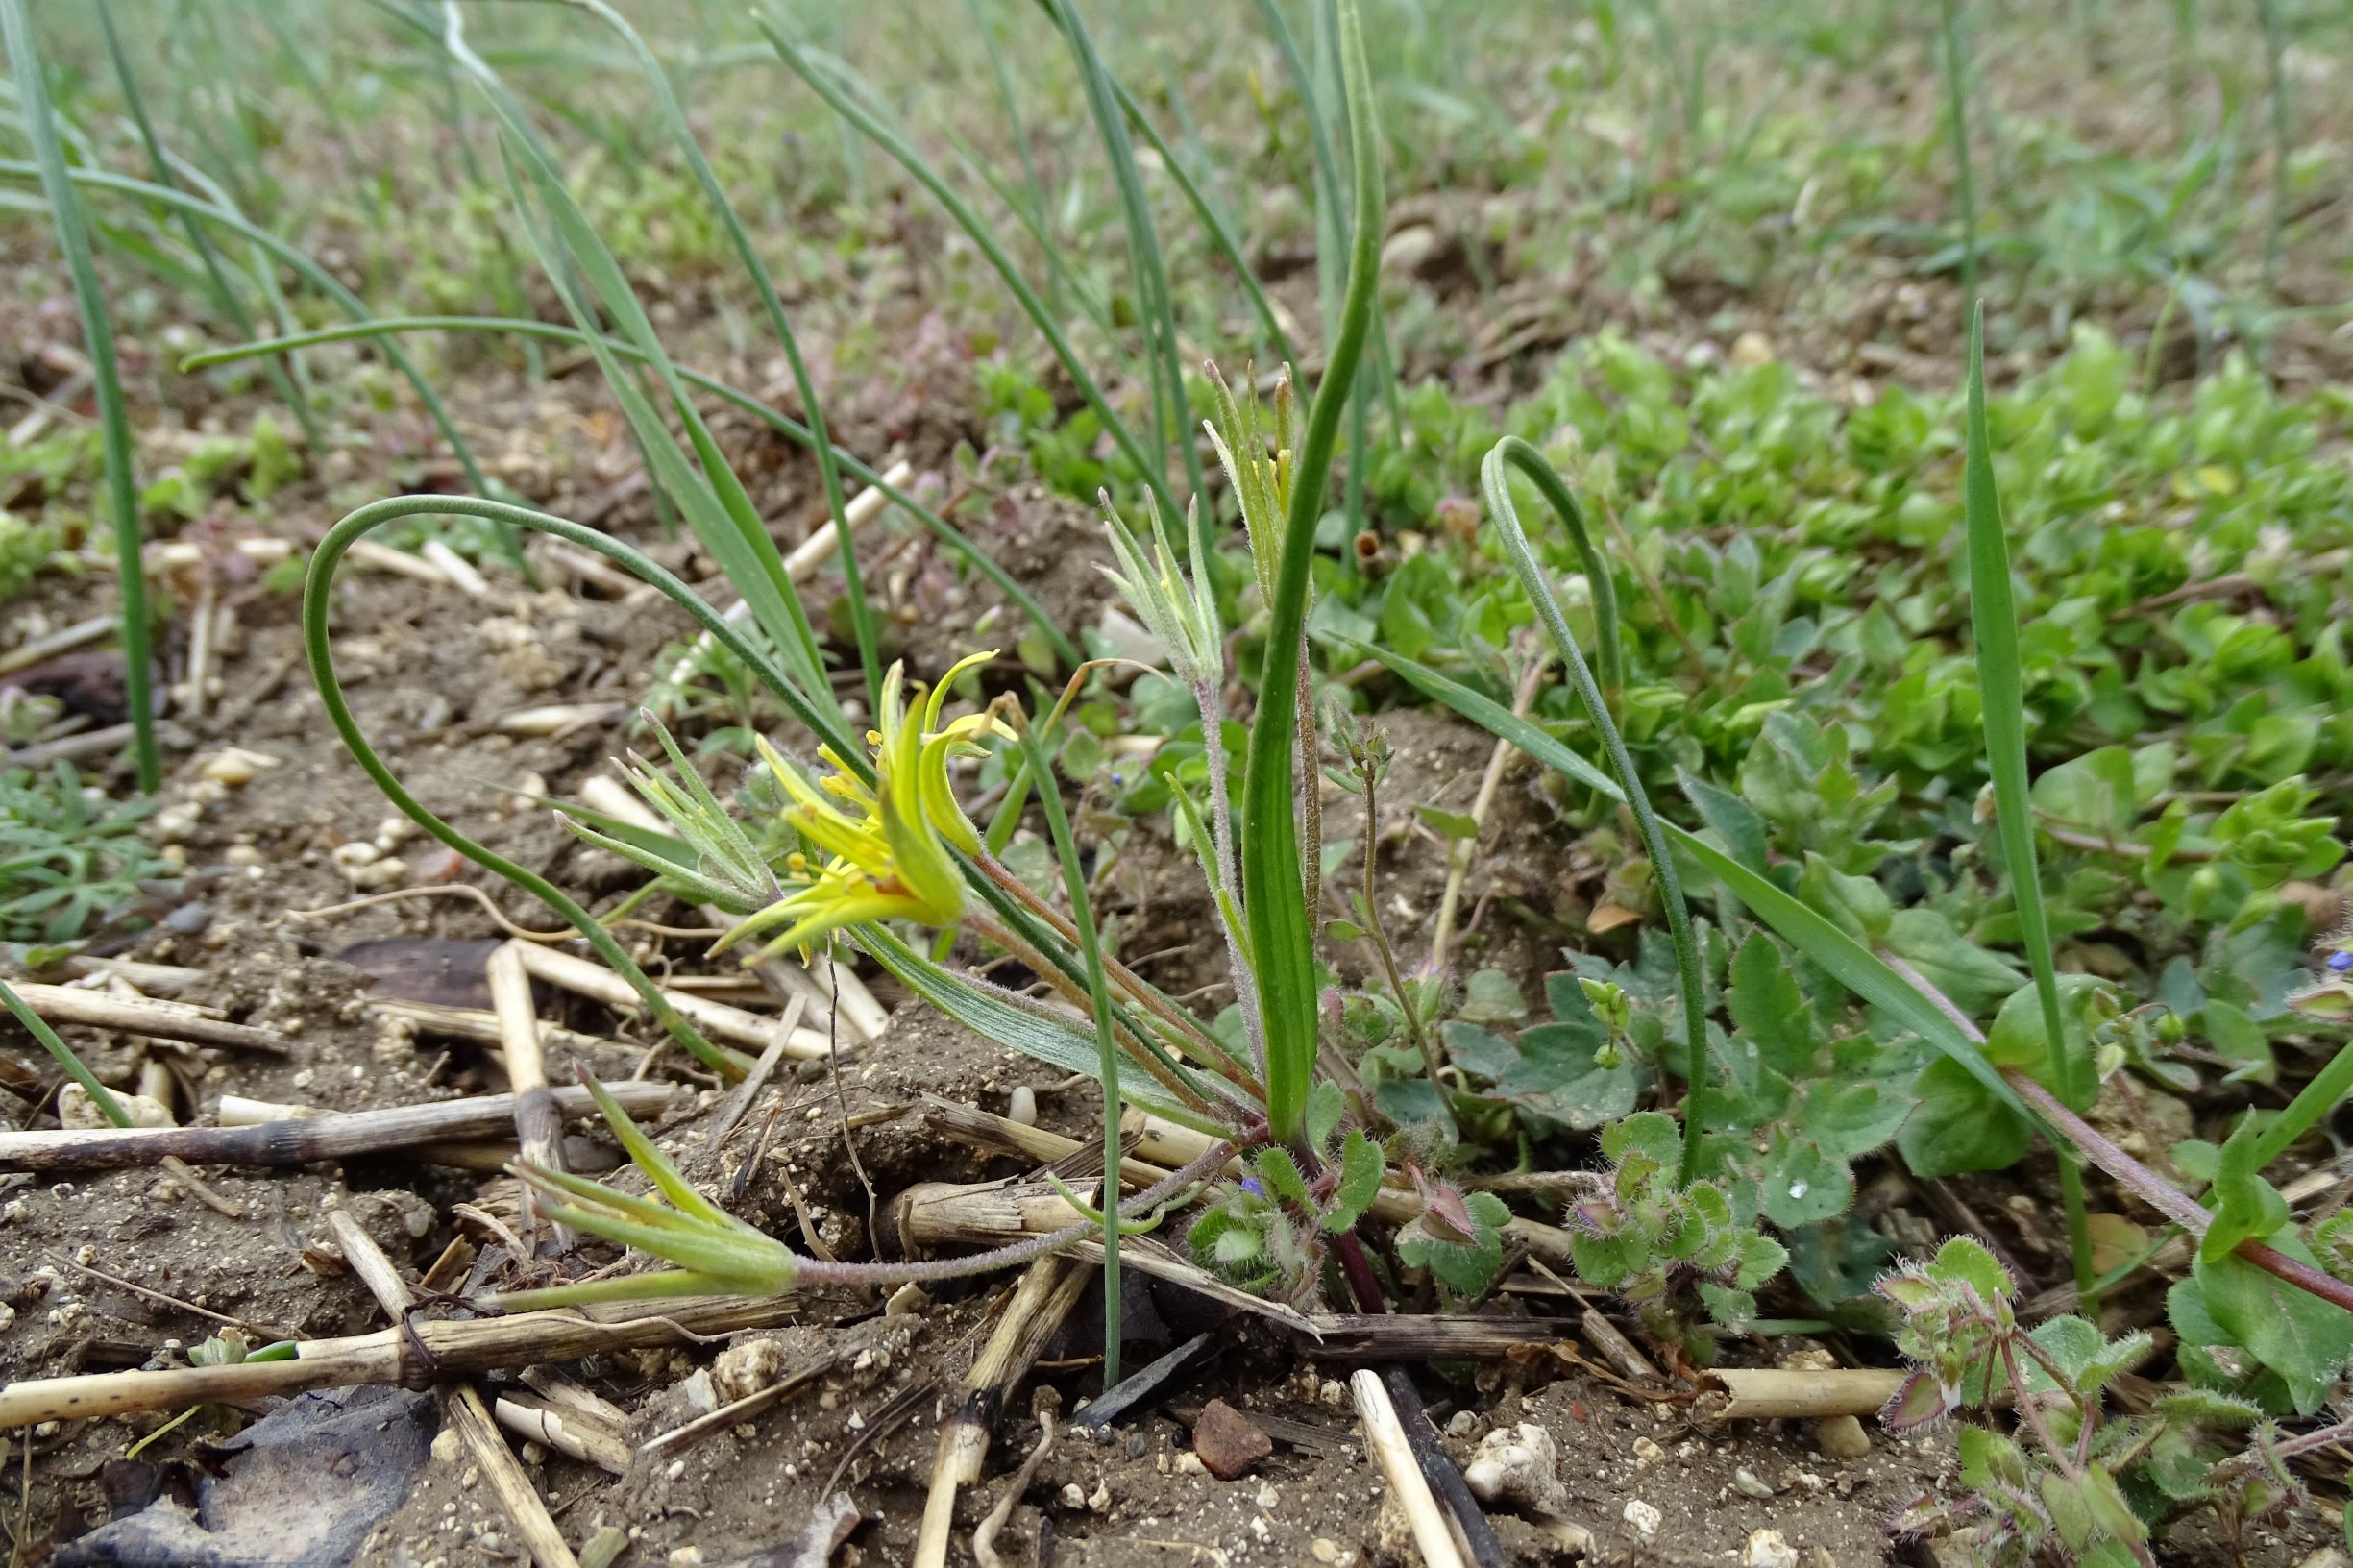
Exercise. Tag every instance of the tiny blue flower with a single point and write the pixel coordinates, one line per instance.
(2340, 962)
(1254, 1187)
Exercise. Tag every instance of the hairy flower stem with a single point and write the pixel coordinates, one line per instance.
(1197, 1040)
(1211, 701)
(2137, 1178)
(1310, 794)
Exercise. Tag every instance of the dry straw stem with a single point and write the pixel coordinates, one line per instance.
(1385, 1435)
(984, 1539)
(1767, 1393)
(298, 1142)
(933, 1216)
(461, 1405)
(536, 1420)
(539, 1126)
(1038, 1306)
(585, 978)
(480, 1025)
(147, 1017)
(411, 1355)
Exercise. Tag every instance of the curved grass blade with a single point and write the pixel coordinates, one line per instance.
(317, 601)
(806, 65)
(1274, 900)
(1856, 966)
(947, 533)
(106, 377)
(1495, 483)
(1107, 1047)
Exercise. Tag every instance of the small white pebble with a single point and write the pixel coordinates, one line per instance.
(1648, 1452)
(1644, 1518)
(1073, 1496)
(1022, 1106)
(1268, 1497)
(1748, 1483)
(1766, 1549)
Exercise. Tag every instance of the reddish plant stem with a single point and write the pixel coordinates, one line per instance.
(2137, 1178)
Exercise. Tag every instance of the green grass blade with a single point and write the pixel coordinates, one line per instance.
(1107, 1047)
(280, 377)
(1145, 263)
(114, 420)
(719, 507)
(1221, 234)
(2001, 693)
(311, 273)
(100, 1096)
(2000, 685)
(1956, 108)
(947, 533)
(1495, 483)
(822, 82)
(1274, 900)
(829, 471)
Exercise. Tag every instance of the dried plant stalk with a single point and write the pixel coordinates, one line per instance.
(408, 1357)
(298, 1142)
(1039, 1304)
(153, 1020)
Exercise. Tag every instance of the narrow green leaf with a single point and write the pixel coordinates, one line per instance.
(1107, 1044)
(122, 490)
(1274, 900)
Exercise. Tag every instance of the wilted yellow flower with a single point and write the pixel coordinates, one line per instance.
(886, 847)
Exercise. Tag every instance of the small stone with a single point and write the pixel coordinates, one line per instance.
(1766, 1549)
(1648, 1452)
(1333, 1394)
(77, 1111)
(907, 1301)
(1324, 1550)
(1752, 349)
(685, 1557)
(1022, 1106)
(1228, 1441)
(1268, 1497)
(1749, 1484)
(1462, 1424)
(448, 1445)
(234, 765)
(1644, 1518)
(1098, 1501)
(1189, 1464)
(746, 1367)
(1841, 1438)
(1073, 1496)
(1518, 1465)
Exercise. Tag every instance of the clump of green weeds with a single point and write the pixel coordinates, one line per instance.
(69, 855)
